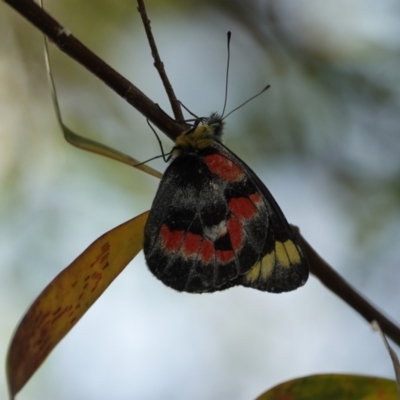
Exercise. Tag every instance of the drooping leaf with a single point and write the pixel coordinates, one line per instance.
(333, 387)
(392, 354)
(80, 141)
(66, 299)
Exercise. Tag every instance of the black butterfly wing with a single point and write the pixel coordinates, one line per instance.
(213, 224)
(282, 265)
(203, 231)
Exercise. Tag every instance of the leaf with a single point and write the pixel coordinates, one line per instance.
(392, 354)
(85, 143)
(333, 387)
(66, 299)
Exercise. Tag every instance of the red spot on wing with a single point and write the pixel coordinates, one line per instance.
(225, 256)
(207, 251)
(224, 167)
(191, 244)
(256, 198)
(243, 208)
(171, 240)
(235, 230)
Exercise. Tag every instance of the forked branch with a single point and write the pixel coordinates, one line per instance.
(75, 49)
(68, 44)
(158, 64)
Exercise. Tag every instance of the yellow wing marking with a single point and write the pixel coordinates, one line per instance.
(285, 254)
(293, 252)
(254, 273)
(267, 265)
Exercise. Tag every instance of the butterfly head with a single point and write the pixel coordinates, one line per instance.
(216, 125)
(203, 134)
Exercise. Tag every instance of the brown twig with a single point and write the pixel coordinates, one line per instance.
(333, 281)
(68, 44)
(158, 64)
(71, 46)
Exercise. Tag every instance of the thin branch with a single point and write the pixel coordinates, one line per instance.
(68, 44)
(71, 46)
(333, 281)
(159, 65)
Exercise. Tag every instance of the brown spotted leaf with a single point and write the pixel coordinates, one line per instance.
(333, 387)
(64, 301)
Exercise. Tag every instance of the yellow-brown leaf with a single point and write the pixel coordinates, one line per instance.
(66, 299)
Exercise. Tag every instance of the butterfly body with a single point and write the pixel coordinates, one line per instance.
(213, 223)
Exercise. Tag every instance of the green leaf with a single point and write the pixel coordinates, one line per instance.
(333, 387)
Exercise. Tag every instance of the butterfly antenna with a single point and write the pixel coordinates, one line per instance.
(227, 71)
(155, 158)
(191, 113)
(251, 98)
(160, 144)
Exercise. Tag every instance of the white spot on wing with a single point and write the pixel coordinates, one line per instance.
(215, 186)
(216, 231)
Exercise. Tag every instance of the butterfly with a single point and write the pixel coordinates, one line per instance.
(213, 224)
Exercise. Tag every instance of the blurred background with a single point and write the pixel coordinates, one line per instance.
(324, 138)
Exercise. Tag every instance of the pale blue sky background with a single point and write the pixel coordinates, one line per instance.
(324, 139)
